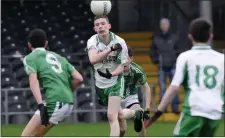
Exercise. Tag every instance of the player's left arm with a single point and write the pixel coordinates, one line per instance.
(181, 70)
(142, 79)
(31, 70)
(35, 88)
(147, 92)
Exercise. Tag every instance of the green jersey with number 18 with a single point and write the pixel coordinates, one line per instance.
(201, 70)
(111, 61)
(54, 74)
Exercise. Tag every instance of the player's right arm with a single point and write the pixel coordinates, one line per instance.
(179, 76)
(77, 78)
(94, 55)
(181, 70)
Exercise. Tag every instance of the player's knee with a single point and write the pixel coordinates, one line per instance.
(121, 117)
(112, 117)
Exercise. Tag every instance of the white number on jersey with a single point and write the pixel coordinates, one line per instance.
(56, 65)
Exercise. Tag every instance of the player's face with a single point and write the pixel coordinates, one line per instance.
(164, 27)
(102, 26)
(127, 65)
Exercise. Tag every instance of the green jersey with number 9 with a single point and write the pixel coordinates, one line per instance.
(54, 74)
(201, 71)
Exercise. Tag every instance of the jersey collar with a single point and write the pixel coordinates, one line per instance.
(111, 37)
(43, 49)
(198, 47)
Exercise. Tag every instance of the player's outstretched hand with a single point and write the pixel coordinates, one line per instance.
(151, 120)
(115, 47)
(107, 75)
(44, 115)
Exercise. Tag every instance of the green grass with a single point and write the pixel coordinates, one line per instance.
(99, 129)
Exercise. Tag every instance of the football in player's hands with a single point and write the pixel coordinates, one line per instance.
(115, 47)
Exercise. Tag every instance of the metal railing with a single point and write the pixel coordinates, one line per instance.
(29, 110)
(26, 92)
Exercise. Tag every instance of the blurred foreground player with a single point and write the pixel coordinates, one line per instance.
(134, 75)
(108, 51)
(54, 74)
(201, 71)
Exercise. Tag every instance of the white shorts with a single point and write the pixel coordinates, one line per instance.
(130, 100)
(61, 111)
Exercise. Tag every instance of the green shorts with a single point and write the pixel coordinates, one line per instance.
(115, 90)
(195, 126)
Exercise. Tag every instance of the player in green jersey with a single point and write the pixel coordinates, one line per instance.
(201, 71)
(134, 75)
(109, 51)
(54, 74)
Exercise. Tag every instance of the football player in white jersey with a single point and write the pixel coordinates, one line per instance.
(108, 53)
(201, 71)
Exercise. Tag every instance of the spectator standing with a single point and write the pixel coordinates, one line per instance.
(164, 52)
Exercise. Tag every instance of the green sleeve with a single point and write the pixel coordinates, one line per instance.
(29, 65)
(142, 78)
(70, 67)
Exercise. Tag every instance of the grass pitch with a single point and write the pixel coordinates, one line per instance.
(100, 129)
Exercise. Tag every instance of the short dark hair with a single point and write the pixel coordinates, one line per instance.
(200, 29)
(130, 52)
(101, 16)
(37, 38)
